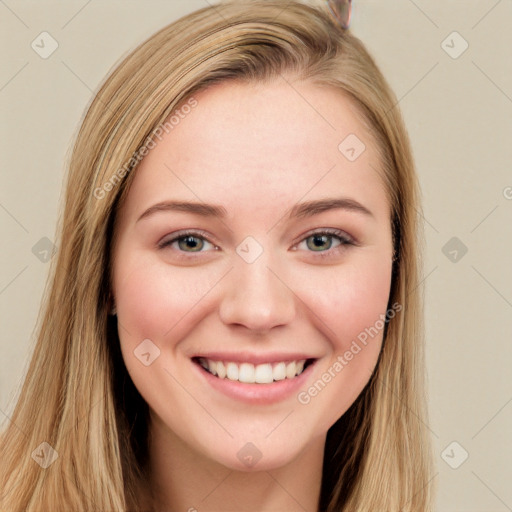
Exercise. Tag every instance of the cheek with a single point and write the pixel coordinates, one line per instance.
(154, 299)
(349, 298)
(351, 303)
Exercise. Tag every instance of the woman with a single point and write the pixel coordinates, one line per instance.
(233, 321)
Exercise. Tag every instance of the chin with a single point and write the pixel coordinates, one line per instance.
(257, 456)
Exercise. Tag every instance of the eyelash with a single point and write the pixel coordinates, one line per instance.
(344, 239)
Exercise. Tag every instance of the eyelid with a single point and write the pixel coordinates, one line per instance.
(346, 241)
(344, 238)
(198, 233)
(343, 235)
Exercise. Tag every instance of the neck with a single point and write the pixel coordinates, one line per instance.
(184, 480)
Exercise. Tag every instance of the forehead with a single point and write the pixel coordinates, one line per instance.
(244, 143)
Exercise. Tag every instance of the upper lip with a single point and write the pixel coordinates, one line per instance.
(247, 357)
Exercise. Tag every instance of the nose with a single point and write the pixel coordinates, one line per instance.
(257, 296)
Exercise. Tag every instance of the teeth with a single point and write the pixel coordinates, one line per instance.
(250, 373)
(246, 373)
(231, 371)
(221, 370)
(279, 371)
(291, 370)
(212, 367)
(263, 374)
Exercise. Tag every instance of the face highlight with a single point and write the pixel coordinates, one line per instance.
(252, 251)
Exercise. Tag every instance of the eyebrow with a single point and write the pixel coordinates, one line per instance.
(301, 210)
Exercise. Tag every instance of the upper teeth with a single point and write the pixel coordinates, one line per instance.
(250, 373)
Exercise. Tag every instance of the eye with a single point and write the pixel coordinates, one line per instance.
(187, 241)
(322, 241)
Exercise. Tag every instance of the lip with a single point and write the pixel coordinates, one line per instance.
(247, 357)
(262, 394)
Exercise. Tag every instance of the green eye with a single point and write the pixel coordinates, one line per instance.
(319, 242)
(190, 242)
(187, 242)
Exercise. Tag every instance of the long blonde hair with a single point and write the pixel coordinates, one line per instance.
(77, 395)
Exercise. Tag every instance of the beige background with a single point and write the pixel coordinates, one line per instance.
(459, 115)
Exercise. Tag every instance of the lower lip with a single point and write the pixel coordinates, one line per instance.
(256, 393)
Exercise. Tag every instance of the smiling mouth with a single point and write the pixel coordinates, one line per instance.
(249, 373)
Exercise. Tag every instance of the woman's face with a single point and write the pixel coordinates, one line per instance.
(237, 270)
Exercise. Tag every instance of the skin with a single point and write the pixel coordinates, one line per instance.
(257, 150)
